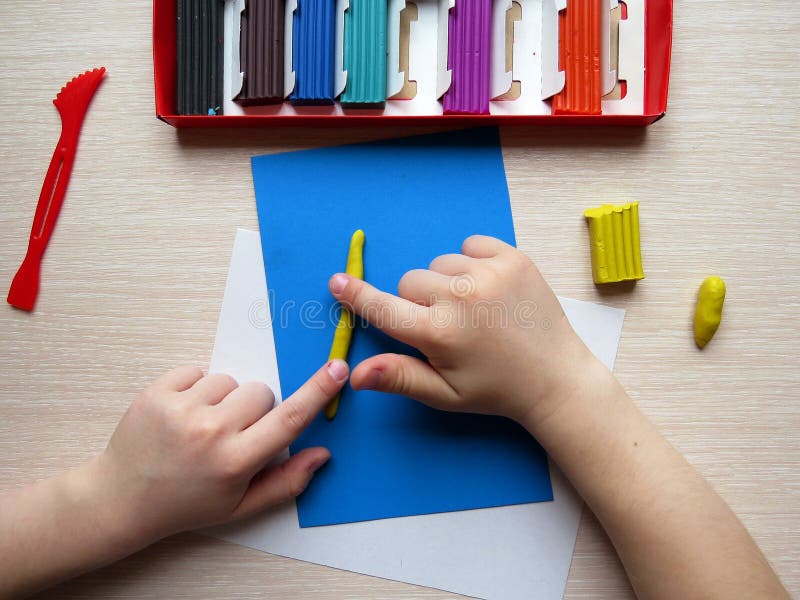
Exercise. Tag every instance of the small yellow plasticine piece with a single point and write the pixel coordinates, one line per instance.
(346, 324)
(708, 314)
(615, 244)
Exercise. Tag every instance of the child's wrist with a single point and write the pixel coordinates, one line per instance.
(114, 520)
(585, 378)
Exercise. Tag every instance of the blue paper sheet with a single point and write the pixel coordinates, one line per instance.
(415, 198)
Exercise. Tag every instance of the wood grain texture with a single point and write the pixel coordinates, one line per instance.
(133, 278)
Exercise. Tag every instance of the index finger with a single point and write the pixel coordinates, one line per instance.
(273, 432)
(401, 319)
(483, 246)
(179, 379)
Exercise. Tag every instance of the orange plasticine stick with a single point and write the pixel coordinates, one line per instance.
(579, 51)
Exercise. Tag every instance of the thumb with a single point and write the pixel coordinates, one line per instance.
(282, 482)
(407, 376)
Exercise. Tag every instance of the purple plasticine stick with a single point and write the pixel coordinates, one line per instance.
(469, 57)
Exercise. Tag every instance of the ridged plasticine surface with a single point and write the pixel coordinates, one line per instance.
(313, 51)
(365, 52)
(261, 52)
(580, 57)
(469, 58)
(199, 40)
(615, 244)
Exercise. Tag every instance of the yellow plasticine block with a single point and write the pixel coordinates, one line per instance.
(619, 241)
(615, 243)
(608, 246)
(635, 242)
(627, 240)
(344, 328)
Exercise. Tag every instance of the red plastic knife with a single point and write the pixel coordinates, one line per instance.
(72, 103)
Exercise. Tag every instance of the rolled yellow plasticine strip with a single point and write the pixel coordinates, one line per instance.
(708, 314)
(346, 324)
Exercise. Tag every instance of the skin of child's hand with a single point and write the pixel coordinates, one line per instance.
(194, 451)
(495, 336)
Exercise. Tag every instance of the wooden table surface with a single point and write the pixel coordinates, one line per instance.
(133, 278)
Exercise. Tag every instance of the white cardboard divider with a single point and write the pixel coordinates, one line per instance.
(609, 74)
(341, 75)
(423, 62)
(535, 55)
(395, 78)
(631, 62)
(552, 78)
(444, 75)
(233, 77)
(500, 80)
(527, 65)
(524, 42)
(288, 38)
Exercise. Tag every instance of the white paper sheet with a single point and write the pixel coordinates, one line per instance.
(504, 553)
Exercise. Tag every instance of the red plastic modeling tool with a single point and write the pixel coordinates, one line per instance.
(72, 103)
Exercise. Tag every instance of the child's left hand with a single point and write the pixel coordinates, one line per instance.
(193, 451)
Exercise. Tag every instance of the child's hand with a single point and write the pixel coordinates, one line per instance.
(495, 336)
(191, 451)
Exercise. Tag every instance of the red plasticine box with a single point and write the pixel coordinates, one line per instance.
(528, 76)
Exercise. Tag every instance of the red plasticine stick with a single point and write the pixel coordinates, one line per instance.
(72, 103)
(580, 41)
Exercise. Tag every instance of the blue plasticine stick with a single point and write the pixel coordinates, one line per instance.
(313, 44)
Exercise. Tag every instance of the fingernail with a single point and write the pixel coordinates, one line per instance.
(338, 370)
(338, 283)
(372, 380)
(317, 464)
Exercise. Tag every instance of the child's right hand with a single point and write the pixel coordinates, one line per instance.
(194, 451)
(496, 337)
(191, 451)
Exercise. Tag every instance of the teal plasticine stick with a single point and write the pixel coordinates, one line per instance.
(365, 53)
